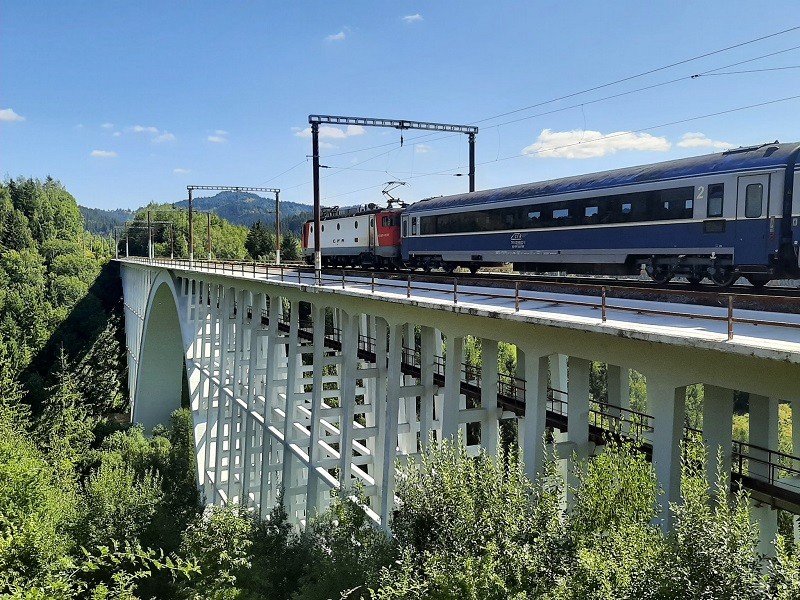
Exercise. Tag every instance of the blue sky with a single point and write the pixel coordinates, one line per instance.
(127, 102)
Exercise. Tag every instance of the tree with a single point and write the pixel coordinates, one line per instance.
(259, 242)
(290, 247)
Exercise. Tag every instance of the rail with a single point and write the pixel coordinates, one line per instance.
(300, 274)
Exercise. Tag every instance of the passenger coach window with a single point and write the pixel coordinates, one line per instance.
(753, 199)
(405, 228)
(716, 192)
(413, 225)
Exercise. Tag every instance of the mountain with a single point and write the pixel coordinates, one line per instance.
(239, 208)
(245, 208)
(102, 222)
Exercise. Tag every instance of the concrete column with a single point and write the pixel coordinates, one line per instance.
(314, 450)
(409, 403)
(390, 424)
(224, 416)
(667, 404)
(268, 476)
(213, 392)
(558, 373)
(764, 433)
(532, 425)
(347, 400)
(254, 348)
(452, 387)
(717, 431)
(618, 382)
(290, 407)
(577, 417)
(427, 369)
(490, 424)
(379, 410)
(237, 329)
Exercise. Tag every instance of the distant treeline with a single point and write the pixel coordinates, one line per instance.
(238, 208)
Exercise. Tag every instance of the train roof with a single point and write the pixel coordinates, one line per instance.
(766, 156)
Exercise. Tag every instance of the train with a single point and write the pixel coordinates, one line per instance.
(719, 216)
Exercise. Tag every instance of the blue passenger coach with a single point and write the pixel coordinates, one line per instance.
(720, 216)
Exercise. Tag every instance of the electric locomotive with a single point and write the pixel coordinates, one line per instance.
(366, 235)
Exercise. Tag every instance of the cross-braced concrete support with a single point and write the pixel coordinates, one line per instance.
(297, 391)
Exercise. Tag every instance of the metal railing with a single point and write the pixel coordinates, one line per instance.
(293, 273)
(764, 464)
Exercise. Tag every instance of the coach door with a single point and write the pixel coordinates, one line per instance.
(372, 234)
(752, 222)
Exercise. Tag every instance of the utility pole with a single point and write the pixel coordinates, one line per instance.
(315, 120)
(317, 209)
(277, 228)
(208, 233)
(191, 228)
(149, 238)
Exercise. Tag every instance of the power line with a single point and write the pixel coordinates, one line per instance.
(605, 137)
(748, 71)
(678, 122)
(642, 74)
(571, 95)
(598, 87)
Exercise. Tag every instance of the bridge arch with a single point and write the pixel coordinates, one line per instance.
(159, 378)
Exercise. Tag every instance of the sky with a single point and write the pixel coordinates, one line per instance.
(128, 102)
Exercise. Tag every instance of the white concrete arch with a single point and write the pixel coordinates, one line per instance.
(159, 377)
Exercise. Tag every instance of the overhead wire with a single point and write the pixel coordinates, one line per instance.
(566, 96)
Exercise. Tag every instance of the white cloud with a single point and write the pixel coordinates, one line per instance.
(103, 154)
(181, 171)
(217, 139)
(592, 144)
(164, 137)
(220, 132)
(8, 115)
(332, 133)
(695, 139)
(117, 133)
(327, 146)
(107, 126)
(413, 18)
(336, 37)
(143, 129)
(422, 148)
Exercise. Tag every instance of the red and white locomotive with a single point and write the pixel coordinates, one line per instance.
(366, 235)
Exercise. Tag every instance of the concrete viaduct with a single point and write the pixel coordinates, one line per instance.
(308, 388)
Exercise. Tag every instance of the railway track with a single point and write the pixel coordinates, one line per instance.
(770, 298)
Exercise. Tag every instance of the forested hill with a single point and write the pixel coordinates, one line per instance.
(238, 208)
(245, 208)
(102, 222)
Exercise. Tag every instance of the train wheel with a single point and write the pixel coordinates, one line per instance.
(724, 277)
(661, 275)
